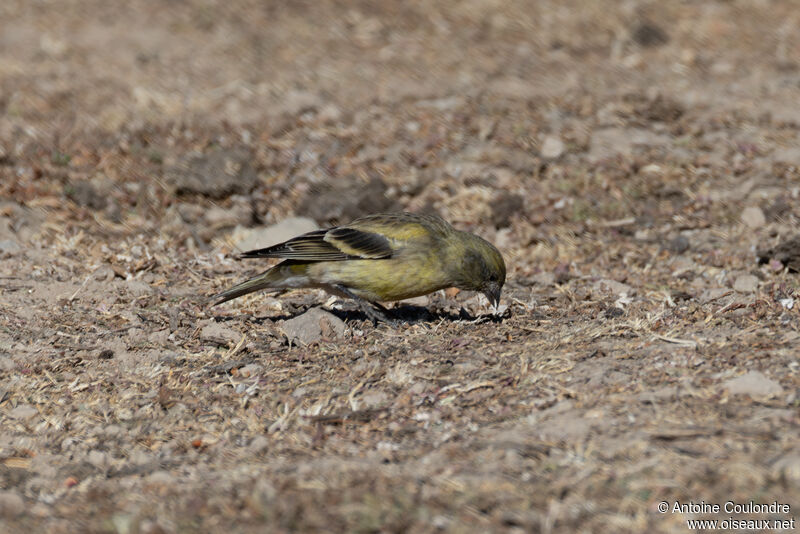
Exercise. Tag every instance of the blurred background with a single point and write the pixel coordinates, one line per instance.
(190, 118)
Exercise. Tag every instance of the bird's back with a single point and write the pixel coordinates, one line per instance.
(403, 225)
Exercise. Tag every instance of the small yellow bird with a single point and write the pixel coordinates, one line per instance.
(383, 257)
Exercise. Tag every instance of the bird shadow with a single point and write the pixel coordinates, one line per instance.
(405, 313)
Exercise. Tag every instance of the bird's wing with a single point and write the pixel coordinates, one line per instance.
(403, 226)
(335, 244)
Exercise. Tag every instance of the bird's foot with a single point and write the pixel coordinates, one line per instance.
(374, 311)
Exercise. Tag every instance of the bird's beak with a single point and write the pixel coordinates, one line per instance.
(493, 295)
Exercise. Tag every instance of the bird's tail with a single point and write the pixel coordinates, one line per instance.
(262, 281)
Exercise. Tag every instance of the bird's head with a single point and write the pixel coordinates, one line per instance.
(483, 269)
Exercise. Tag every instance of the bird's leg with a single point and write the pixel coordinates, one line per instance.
(374, 311)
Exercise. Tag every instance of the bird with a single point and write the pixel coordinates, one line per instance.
(378, 258)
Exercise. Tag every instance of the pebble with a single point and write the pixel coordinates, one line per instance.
(99, 459)
(552, 147)
(11, 504)
(788, 468)
(617, 288)
(250, 369)
(23, 411)
(260, 444)
(747, 283)
(374, 399)
(216, 332)
(789, 156)
(545, 279)
(312, 326)
(753, 217)
(9, 247)
(266, 236)
(754, 384)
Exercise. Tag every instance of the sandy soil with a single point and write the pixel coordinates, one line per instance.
(632, 160)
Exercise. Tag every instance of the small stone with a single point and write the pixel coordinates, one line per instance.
(160, 478)
(104, 273)
(609, 142)
(715, 294)
(753, 217)
(251, 369)
(8, 246)
(11, 504)
(648, 34)
(788, 468)
(259, 445)
(545, 279)
(422, 301)
(329, 113)
(218, 217)
(266, 236)
(747, 283)
(218, 173)
(297, 101)
(217, 333)
(23, 411)
(678, 245)
(617, 288)
(150, 526)
(312, 326)
(374, 399)
(99, 459)
(652, 169)
(754, 384)
(6, 364)
(137, 288)
(789, 156)
(552, 147)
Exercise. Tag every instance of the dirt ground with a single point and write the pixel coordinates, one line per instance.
(632, 161)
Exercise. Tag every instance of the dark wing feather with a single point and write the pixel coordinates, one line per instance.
(335, 244)
(358, 243)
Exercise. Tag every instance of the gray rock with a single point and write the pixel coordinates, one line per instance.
(85, 194)
(422, 301)
(754, 384)
(218, 333)
(678, 245)
(259, 445)
(9, 246)
(218, 173)
(790, 156)
(312, 326)
(99, 459)
(267, 236)
(545, 278)
(23, 411)
(788, 468)
(568, 427)
(137, 288)
(251, 369)
(374, 399)
(753, 217)
(221, 217)
(608, 142)
(617, 288)
(11, 504)
(297, 101)
(747, 283)
(552, 147)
